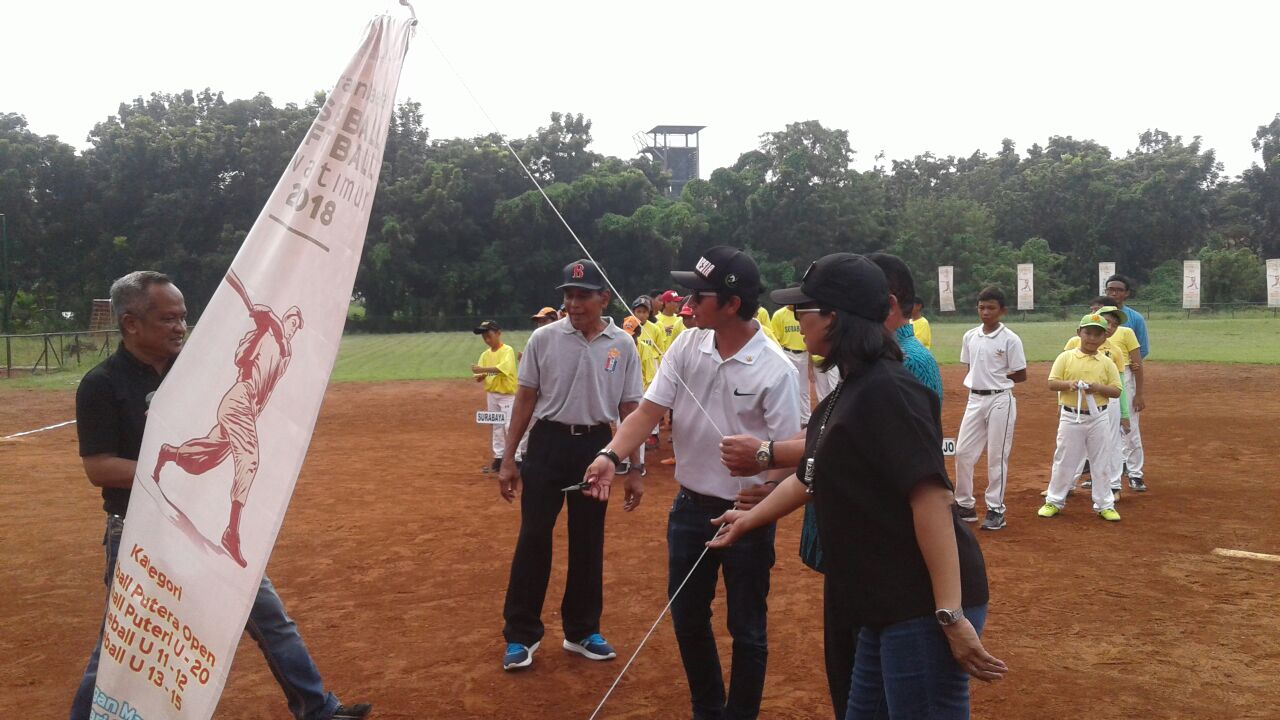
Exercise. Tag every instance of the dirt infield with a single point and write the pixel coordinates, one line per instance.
(395, 553)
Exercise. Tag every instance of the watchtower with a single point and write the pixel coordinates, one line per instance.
(676, 147)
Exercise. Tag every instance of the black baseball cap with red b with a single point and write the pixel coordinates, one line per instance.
(582, 274)
(722, 269)
(844, 281)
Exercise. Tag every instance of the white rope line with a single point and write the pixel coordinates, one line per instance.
(617, 295)
(39, 430)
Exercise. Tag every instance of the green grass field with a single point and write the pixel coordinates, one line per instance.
(423, 356)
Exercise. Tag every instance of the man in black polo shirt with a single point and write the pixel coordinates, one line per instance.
(578, 375)
(111, 414)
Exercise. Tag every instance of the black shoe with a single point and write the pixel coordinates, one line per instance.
(994, 521)
(1137, 485)
(352, 712)
(1087, 483)
(967, 514)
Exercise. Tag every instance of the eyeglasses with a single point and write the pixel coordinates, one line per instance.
(1117, 288)
(802, 311)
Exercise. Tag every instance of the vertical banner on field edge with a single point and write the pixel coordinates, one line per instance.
(207, 503)
(1026, 287)
(946, 293)
(1191, 284)
(1273, 282)
(1105, 270)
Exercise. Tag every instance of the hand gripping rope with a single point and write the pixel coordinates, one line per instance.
(620, 298)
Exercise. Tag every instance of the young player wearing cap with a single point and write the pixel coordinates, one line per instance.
(898, 562)
(579, 375)
(545, 316)
(649, 363)
(1121, 346)
(724, 376)
(1086, 381)
(1120, 289)
(496, 368)
(653, 337)
(996, 361)
(787, 329)
(668, 319)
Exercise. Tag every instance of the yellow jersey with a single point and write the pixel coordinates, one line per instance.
(786, 329)
(1096, 369)
(671, 326)
(1126, 342)
(504, 358)
(923, 333)
(650, 357)
(651, 334)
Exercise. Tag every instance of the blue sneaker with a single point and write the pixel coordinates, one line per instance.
(518, 656)
(594, 647)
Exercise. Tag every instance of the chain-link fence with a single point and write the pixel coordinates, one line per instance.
(53, 352)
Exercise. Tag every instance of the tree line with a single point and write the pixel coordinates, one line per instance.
(174, 181)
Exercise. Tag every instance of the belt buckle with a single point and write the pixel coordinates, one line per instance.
(578, 429)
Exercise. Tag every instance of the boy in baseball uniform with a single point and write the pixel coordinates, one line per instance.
(496, 368)
(996, 361)
(1087, 383)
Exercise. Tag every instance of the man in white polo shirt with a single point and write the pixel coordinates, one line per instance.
(722, 378)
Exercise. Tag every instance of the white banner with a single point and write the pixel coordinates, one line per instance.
(1105, 270)
(946, 293)
(207, 503)
(1191, 284)
(1273, 283)
(1026, 287)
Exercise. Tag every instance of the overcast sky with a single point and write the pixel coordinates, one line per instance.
(903, 78)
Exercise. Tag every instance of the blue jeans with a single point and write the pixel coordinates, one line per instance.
(746, 566)
(268, 624)
(905, 671)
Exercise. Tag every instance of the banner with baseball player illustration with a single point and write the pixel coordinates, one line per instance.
(1026, 286)
(946, 293)
(228, 430)
(1273, 282)
(1105, 270)
(1191, 284)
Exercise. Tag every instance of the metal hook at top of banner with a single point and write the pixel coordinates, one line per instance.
(412, 14)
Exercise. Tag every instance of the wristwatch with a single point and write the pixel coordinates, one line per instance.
(764, 456)
(948, 617)
(609, 453)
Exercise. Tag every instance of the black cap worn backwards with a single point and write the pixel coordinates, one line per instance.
(843, 281)
(582, 274)
(725, 269)
(485, 326)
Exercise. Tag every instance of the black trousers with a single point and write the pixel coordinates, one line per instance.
(556, 459)
(839, 646)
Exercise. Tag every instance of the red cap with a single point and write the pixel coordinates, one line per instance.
(670, 296)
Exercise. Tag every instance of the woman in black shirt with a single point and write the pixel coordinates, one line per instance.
(902, 565)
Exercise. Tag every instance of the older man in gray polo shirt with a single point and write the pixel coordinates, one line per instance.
(578, 375)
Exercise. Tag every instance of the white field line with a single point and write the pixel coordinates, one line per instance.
(39, 430)
(1245, 554)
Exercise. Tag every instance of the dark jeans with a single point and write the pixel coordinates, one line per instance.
(556, 459)
(268, 624)
(746, 566)
(905, 671)
(839, 645)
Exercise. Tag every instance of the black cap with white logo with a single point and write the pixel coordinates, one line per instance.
(843, 281)
(725, 269)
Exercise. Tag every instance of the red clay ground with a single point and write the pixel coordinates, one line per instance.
(395, 553)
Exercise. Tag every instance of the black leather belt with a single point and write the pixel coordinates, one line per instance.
(987, 392)
(573, 429)
(709, 501)
(795, 352)
(1082, 411)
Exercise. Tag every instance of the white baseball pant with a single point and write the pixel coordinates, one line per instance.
(825, 381)
(1082, 437)
(499, 402)
(988, 421)
(1133, 456)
